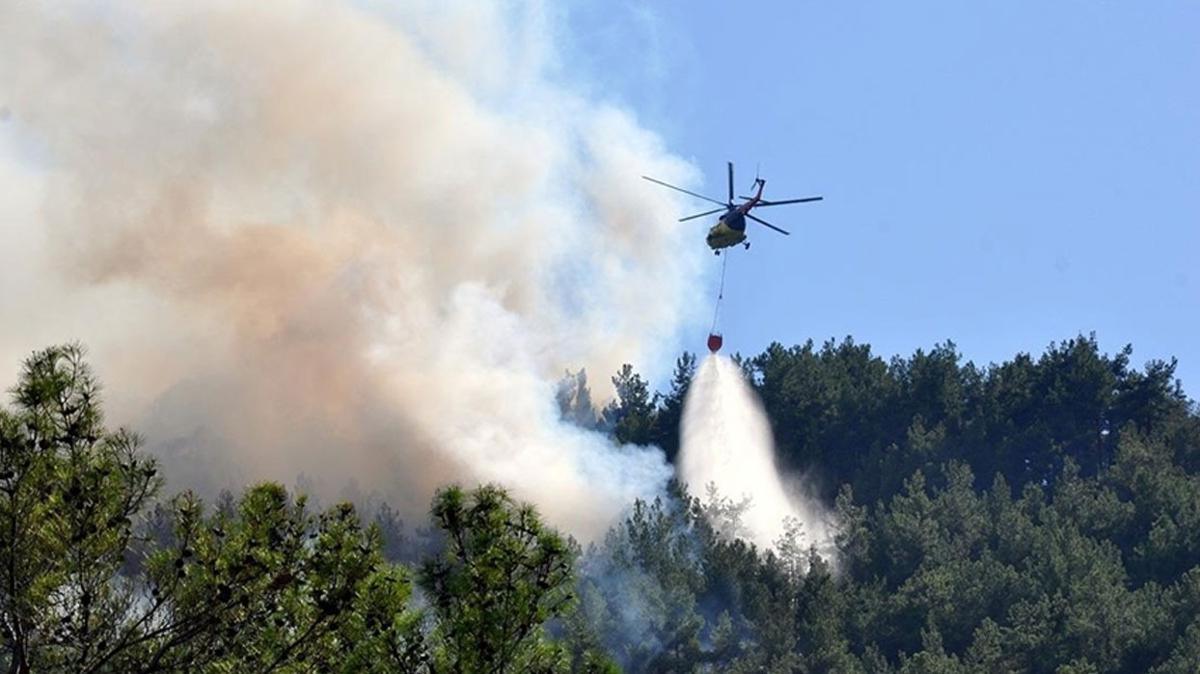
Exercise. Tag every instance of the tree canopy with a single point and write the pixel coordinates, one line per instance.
(1038, 515)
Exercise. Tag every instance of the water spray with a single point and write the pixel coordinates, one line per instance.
(726, 444)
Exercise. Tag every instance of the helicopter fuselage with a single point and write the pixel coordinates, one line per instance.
(730, 230)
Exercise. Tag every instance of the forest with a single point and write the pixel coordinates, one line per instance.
(1037, 515)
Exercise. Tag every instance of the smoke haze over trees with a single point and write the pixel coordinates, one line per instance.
(321, 243)
(1039, 515)
(295, 226)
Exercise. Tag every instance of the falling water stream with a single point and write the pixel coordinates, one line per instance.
(727, 443)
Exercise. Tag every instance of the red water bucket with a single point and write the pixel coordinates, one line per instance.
(714, 342)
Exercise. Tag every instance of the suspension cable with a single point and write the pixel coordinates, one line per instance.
(720, 292)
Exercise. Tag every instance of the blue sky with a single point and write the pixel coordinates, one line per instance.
(1000, 174)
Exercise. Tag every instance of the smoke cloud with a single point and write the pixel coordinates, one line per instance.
(726, 443)
(337, 240)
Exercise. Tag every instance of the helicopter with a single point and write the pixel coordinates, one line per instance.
(730, 229)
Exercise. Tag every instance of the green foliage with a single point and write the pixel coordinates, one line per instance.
(1185, 653)
(261, 587)
(503, 575)
(69, 490)
(670, 413)
(258, 584)
(575, 400)
(665, 592)
(632, 416)
(641, 585)
(274, 588)
(859, 420)
(1041, 515)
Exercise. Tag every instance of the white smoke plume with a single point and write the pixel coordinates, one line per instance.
(337, 240)
(726, 442)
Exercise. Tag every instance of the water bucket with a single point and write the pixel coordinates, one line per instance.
(714, 342)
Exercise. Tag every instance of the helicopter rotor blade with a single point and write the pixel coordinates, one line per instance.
(764, 202)
(764, 222)
(730, 182)
(680, 189)
(701, 215)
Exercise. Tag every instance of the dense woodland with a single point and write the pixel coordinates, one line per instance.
(1040, 515)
